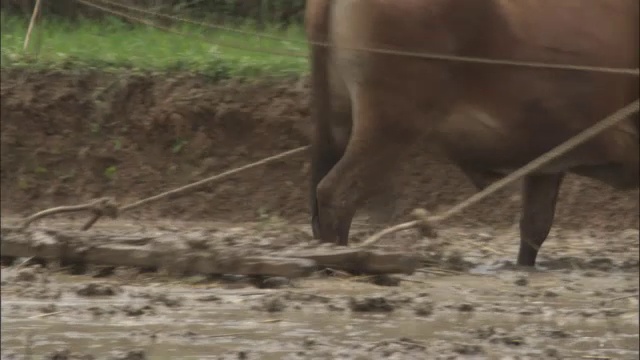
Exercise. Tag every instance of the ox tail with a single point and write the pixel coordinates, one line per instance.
(323, 153)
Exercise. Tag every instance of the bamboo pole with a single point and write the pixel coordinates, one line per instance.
(32, 22)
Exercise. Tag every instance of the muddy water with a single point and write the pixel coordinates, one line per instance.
(581, 303)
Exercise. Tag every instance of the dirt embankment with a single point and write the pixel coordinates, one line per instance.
(67, 138)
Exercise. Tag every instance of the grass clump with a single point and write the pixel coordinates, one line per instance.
(113, 44)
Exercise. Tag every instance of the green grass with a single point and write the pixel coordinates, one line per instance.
(113, 45)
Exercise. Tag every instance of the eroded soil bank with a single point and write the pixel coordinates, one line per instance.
(69, 137)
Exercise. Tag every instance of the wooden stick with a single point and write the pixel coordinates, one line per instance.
(32, 23)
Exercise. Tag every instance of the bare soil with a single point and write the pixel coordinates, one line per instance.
(467, 302)
(70, 137)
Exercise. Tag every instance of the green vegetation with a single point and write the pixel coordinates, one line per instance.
(112, 44)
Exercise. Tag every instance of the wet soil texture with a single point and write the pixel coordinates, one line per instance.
(71, 137)
(467, 302)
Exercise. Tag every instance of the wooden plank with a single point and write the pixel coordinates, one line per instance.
(181, 254)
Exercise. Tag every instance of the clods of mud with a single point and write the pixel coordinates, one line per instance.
(97, 289)
(581, 302)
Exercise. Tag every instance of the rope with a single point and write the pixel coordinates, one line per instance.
(425, 222)
(102, 206)
(425, 55)
(214, 178)
(169, 30)
(108, 206)
(200, 23)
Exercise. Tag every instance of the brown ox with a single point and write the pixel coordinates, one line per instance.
(369, 108)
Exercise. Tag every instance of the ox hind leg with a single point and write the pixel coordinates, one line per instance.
(328, 117)
(374, 149)
(539, 197)
(326, 151)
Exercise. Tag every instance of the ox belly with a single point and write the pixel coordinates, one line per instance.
(477, 140)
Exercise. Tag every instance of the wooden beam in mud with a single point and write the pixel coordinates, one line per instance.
(182, 255)
(356, 260)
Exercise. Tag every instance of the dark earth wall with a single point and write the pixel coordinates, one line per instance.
(282, 12)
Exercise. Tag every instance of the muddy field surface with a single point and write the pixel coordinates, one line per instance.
(71, 137)
(467, 302)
